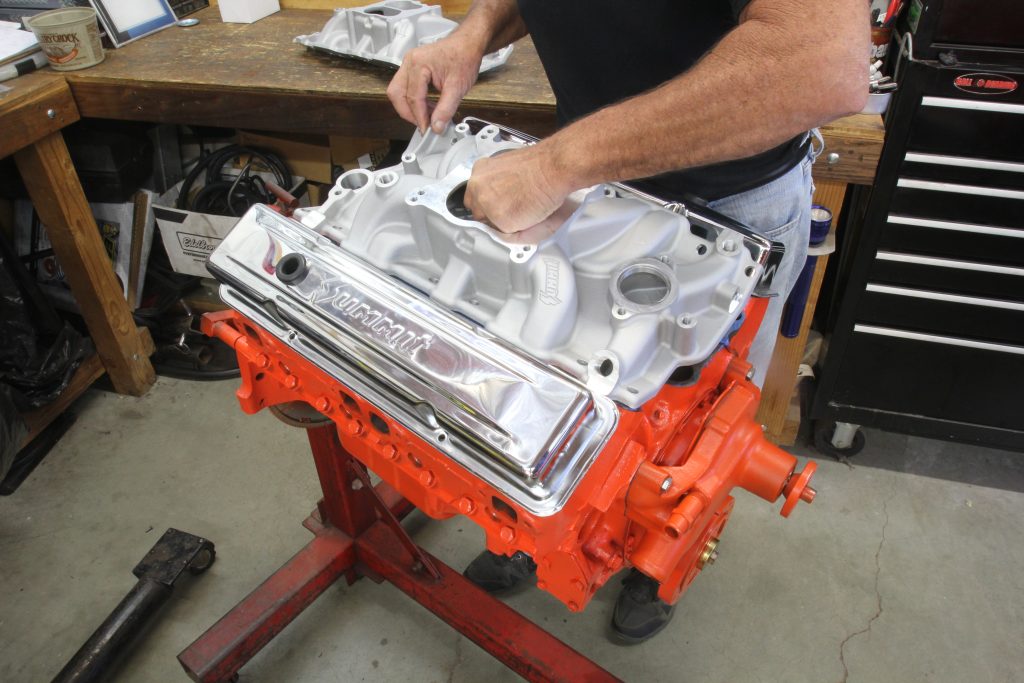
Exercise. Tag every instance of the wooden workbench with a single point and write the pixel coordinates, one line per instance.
(253, 76)
(33, 111)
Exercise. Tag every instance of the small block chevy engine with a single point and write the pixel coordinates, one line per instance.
(578, 390)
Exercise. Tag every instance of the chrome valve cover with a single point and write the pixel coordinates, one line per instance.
(508, 353)
(383, 32)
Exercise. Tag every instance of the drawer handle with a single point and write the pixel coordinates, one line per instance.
(832, 158)
(964, 162)
(943, 296)
(948, 263)
(945, 102)
(938, 339)
(959, 189)
(959, 227)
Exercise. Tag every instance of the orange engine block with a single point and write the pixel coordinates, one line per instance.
(656, 498)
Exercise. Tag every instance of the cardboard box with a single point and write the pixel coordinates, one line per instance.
(308, 156)
(319, 158)
(190, 237)
(318, 193)
(350, 153)
(246, 11)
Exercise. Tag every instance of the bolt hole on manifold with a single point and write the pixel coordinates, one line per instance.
(579, 390)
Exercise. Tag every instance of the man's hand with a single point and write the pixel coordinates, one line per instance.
(451, 65)
(516, 190)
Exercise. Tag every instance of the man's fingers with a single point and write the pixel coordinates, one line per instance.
(396, 93)
(447, 104)
(416, 96)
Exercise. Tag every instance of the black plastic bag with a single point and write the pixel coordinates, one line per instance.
(39, 352)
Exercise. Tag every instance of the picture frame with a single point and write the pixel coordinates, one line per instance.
(128, 20)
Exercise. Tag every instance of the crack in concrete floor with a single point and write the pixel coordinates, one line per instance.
(458, 660)
(878, 595)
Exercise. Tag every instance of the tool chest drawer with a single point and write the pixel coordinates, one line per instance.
(947, 275)
(928, 337)
(932, 376)
(984, 244)
(955, 202)
(963, 170)
(947, 125)
(957, 315)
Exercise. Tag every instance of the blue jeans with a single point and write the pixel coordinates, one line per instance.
(781, 211)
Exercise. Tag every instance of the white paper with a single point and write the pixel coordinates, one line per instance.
(14, 42)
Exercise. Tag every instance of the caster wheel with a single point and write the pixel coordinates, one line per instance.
(823, 431)
(202, 561)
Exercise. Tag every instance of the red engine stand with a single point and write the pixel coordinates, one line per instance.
(356, 534)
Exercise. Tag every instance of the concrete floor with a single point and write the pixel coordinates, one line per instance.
(898, 572)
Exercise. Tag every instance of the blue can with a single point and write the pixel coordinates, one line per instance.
(793, 311)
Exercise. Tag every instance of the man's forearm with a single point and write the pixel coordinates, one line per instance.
(765, 82)
(492, 24)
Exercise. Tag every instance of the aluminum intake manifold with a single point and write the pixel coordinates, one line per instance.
(381, 33)
(617, 289)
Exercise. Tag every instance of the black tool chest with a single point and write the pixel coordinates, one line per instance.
(929, 336)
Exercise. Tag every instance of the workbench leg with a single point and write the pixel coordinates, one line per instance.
(779, 385)
(56, 192)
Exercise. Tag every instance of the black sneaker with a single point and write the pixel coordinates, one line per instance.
(498, 572)
(639, 613)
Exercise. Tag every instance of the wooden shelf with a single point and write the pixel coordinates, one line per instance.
(88, 372)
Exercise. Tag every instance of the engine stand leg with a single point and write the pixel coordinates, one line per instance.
(353, 540)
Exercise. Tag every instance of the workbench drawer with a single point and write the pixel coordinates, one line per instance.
(952, 276)
(957, 315)
(984, 129)
(990, 244)
(933, 376)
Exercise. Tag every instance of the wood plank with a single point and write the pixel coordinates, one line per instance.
(88, 372)
(57, 195)
(281, 86)
(857, 142)
(140, 215)
(24, 110)
(306, 113)
(781, 379)
(272, 64)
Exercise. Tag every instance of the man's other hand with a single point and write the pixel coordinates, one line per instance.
(450, 65)
(516, 190)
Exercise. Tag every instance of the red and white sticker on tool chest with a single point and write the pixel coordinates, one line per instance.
(986, 83)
